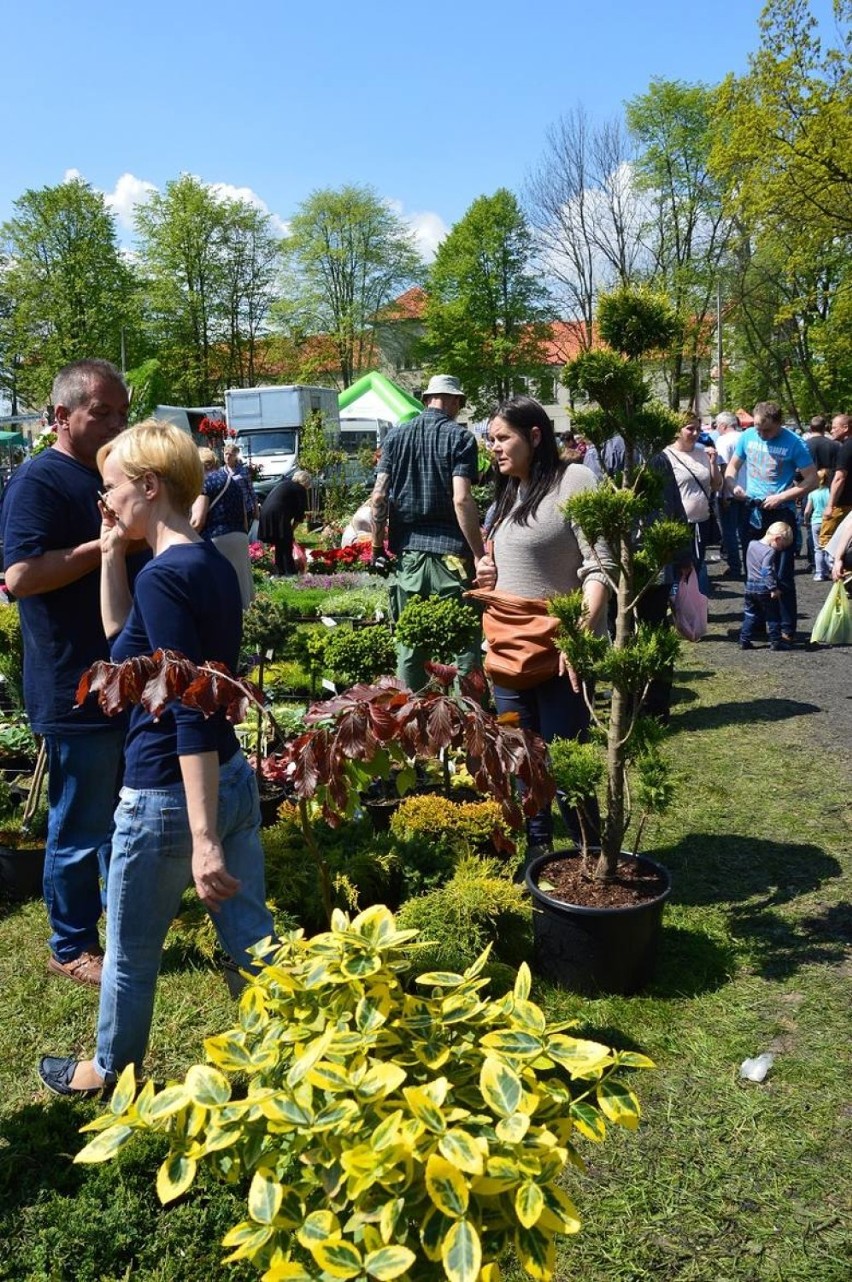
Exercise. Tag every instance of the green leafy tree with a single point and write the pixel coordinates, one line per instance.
(783, 150)
(210, 267)
(68, 292)
(348, 256)
(487, 311)
(686, 233)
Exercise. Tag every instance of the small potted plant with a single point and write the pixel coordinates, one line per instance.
(599, 932)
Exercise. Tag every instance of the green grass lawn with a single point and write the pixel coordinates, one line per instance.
(725, 1180)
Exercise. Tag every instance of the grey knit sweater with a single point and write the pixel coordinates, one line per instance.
(549, 555)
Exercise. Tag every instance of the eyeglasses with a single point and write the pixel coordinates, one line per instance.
(105, 495)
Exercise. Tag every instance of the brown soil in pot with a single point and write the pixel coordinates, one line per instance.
(568, 881)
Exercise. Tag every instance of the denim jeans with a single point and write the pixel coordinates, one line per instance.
(760, 607)
(150, 870)
(84, 773)
(785, 563)
(554, 711)
(733, 515)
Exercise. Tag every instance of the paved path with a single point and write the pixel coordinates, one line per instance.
(818, 678)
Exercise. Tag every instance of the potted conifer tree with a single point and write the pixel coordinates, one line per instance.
(599, 908)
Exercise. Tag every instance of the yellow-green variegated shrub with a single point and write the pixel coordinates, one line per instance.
(383, 1133)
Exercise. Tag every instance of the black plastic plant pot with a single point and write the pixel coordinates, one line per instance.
(595, 951)
(21, 872)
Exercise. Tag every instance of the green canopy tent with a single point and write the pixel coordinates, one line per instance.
(375, 396)
(9, 440)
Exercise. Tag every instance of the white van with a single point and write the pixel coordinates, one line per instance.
(268, 420)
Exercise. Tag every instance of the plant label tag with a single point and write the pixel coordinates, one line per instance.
(329, 685)
(328, 621)
(270, 654)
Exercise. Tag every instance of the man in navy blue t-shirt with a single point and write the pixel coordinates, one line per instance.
(50, 527)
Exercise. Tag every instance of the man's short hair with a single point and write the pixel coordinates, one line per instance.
(768, 409)
(73, 384)
(301, 477)
(727, 419)
(818, 423)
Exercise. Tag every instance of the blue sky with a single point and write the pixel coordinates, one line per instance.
(431, 105)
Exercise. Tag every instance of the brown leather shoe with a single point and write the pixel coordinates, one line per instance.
(85, 969)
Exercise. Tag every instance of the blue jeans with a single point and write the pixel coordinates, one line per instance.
(760, 607)
(553, 711)
(785, 561)
(84, 774)
(733, 515)
(150, 870)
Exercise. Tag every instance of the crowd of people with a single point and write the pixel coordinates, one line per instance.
(119, 541)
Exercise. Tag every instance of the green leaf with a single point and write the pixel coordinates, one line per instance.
(433, 1230)
(513, 1042)
(329, 1077)
(536, 1252)
(318, 1227)
(105, 1145)
(372, 1010)
(529, 1203)
(228, 1052)
(523, 983)
(632, 1059)
(439, 979)
(265, 1196)
(207, 1087)
(462, 1253)
(588, 1121)
(425, 1110)
(386, 1132)
(500, 1087)
(446, 1187)
(175, 1176)
(619, 1104)
(167, 1103)
(560, 1204)
(381, 1080)
(125, 1091)
(375, 923)
(340, 1259)
(389, 1262)
(581, 1058)
(511, 1130)
(462, 1151)
(247, 1239)
(361, 964)
(391, 1211)
(284, 1108)
(310, 1055)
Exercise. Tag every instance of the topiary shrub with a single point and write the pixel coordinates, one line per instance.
(382, 1133)
(358, 603)
(440, 627)
(357, 656)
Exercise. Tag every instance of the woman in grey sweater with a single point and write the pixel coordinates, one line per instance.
(537, 553)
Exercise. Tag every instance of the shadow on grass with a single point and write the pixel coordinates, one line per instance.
(708, 868)
(780, 946)
(690, 963)
(742, 712)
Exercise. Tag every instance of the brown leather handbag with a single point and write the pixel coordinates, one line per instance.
(520, 634)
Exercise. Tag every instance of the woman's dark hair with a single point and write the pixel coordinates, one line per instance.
(522, 414)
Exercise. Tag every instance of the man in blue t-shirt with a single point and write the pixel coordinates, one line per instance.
(50, 528)
(773, 455)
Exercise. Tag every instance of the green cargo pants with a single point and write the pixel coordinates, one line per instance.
(425, 574)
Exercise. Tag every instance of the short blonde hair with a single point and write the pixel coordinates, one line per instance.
(781, 530)
(207, 456)
(162, 448)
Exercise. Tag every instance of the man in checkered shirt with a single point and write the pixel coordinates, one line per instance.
(423, 504)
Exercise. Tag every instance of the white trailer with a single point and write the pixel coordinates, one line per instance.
(268, 422)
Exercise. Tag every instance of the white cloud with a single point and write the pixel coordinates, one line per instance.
(429, 228)
(128, 192)
(227, 191)
(72, 175)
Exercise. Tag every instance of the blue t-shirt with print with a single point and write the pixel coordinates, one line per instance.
(51, 502)
(771, 465)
